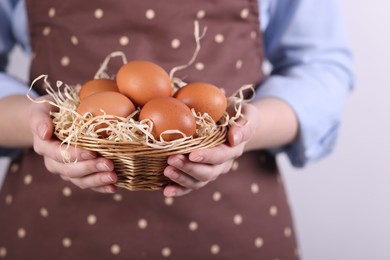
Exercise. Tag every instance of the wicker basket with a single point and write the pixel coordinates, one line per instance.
(140, 167)
(138, 163)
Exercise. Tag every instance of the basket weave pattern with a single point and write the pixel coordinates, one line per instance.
(139, 166)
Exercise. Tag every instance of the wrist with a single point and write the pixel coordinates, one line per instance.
(274, 124)
(14, 121)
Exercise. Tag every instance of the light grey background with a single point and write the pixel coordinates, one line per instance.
(341, 204)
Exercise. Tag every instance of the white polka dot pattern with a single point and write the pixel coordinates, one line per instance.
(235, 166)
(259, 242)
(287, 232)
(217, 196)
(14, 167)
(46, 31)
(168, 201)
(255, 188)
(52, 12)
(219, 38)
(142, 223)
(117, 197)
(8, 199)
(65, 61)
(201, 14)
(74, 40)
(215, 249)
(115, 249)
(253, 35)
(150, 14)
(273, 211)
(175, 213)
(296, 253)
(91, 219)
(199, 66)
(237, 219)
(193, 225)
(99, 13)
(44, 212)
(239, 64)
(3, 252)
(175, 43)
(124, 40)
(22, 233)
(66, 242)
(244, 13)
(67, 192)
(166, 252)
(28, 179)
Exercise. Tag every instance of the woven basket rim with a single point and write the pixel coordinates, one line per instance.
(216, 137)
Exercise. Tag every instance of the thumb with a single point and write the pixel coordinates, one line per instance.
(239, 134)
(40, 121)
(44, 130)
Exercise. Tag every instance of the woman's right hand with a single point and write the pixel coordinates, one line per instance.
(85, 170)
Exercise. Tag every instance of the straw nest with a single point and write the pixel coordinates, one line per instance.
(139, 158)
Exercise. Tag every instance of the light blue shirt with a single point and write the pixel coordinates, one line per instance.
(305, 42)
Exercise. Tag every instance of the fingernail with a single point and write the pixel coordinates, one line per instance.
(102, 166)
(237, 138)
(42, 130)
(172, 193)
(176, 162)
(87, 156)
(110, 189)
(107, 178)
(174, 175)
(198, 158)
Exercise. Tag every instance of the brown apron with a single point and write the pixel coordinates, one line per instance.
(242, 215)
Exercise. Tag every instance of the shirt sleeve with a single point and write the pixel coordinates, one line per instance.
(306, 45)
(13, 30)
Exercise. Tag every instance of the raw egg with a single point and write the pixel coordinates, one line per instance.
(108, 102)
(204, 98)
(97, 85)
(168, 113)
(142, 81)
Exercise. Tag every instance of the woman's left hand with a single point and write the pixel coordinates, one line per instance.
(193, 171)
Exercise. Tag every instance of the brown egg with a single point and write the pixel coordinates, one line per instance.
(97, 85)
(204, 98)
(142, 81)
(112, 103)
(168, 113)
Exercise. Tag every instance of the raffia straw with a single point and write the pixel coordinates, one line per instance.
(237, 100)
(138, 157)
(198, 38)
(102, 72)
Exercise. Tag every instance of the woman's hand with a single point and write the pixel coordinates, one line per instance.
(85, 170)
(203, 166)
(271, 122)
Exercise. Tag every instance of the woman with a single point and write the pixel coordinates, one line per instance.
(243, 213)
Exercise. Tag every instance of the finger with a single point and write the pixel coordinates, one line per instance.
(239, 134)
(175, 190)
(106, 189)
(198, 171)
(40, 120)
(84, 175)
(183, 179)
(79, 169)
(217, 155)
(180, 167)
(61, 152)
(95, 180)
(245, 128)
